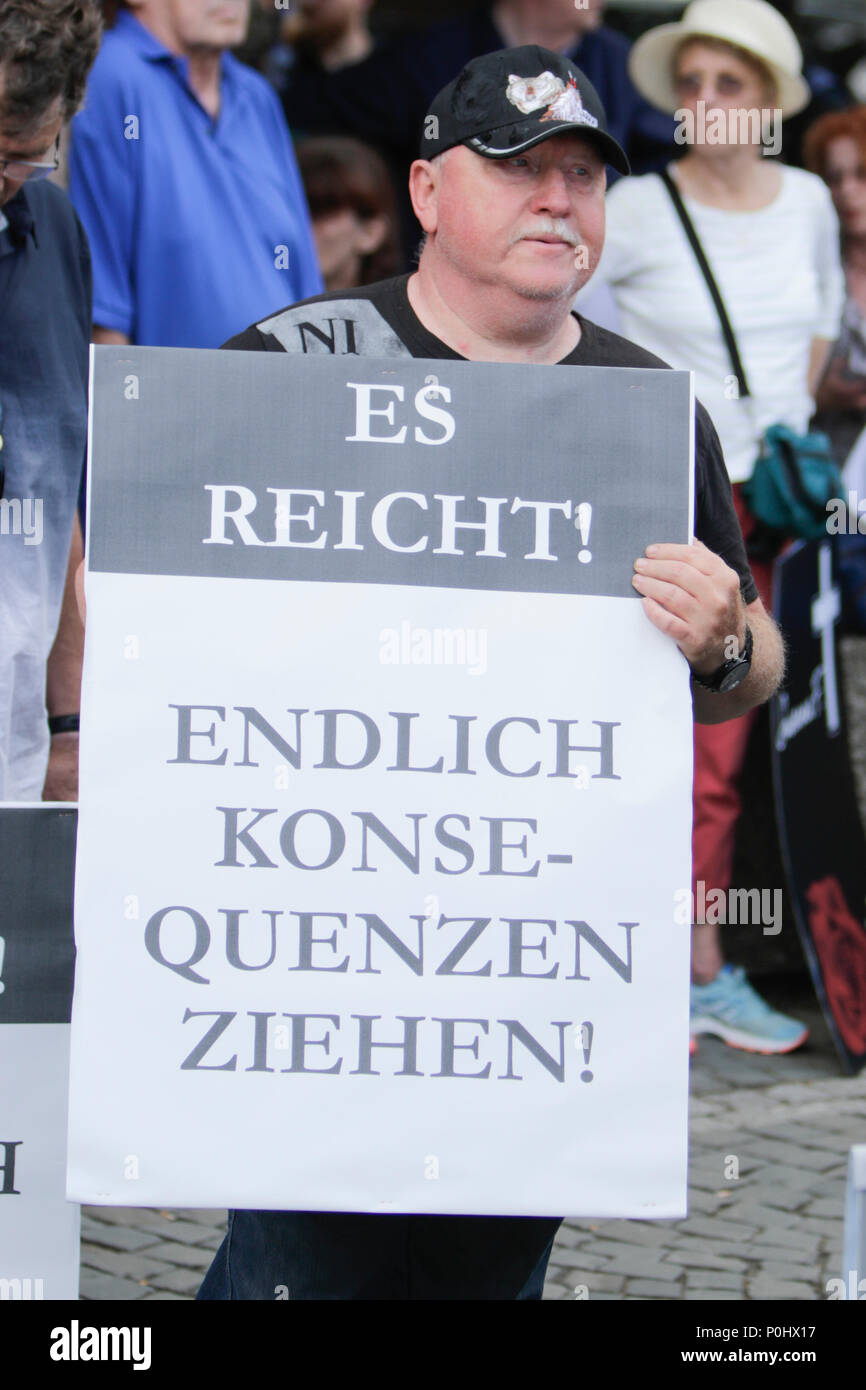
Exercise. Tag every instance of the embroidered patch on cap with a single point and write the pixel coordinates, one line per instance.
(531, 93)
(505, 102)
(567, 106)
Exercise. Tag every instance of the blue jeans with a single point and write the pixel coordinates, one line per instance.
(353, 1255)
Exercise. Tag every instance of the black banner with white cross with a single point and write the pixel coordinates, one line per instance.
(822, 836)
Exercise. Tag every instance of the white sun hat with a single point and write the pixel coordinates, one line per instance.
(752, 25)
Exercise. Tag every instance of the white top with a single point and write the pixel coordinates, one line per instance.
(779, 273)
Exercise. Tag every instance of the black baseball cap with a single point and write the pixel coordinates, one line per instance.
(505, 102)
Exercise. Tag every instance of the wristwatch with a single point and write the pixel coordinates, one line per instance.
(729, 675)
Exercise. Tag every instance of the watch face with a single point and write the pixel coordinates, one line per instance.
(734, 677)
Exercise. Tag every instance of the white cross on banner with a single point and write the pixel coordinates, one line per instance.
(385, 789)
(826, 608)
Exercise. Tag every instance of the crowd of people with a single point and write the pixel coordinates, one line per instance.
(211, 186)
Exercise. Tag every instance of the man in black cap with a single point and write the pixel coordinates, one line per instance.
(510, 193)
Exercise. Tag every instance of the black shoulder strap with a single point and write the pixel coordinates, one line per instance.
(694, 242)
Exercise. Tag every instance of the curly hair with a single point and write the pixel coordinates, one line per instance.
(46, 52)
(850, 122)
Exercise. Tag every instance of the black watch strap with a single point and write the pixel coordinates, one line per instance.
(63, 724)
(731, 672)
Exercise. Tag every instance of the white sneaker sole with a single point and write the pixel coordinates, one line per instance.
(747, 1042)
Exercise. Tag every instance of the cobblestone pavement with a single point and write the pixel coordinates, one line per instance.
(769, 1139)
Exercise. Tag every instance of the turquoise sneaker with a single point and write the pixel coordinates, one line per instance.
(731, 1009)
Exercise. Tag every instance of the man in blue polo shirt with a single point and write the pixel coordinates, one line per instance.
(45, 287)
(183, 173)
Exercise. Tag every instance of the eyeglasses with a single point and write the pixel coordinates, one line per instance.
(26, 170)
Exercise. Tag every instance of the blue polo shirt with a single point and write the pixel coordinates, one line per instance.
(44, 350)
(197, 226)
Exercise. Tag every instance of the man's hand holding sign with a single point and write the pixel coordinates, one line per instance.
(403, 940)
(693, 596)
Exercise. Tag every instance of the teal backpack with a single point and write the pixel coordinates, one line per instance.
(794, 478)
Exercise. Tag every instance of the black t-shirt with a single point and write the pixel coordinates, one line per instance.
(379, 321)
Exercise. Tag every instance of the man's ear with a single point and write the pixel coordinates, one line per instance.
(424, 177)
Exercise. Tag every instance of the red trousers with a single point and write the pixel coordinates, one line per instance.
(720, 750)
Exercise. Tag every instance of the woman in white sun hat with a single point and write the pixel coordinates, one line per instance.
(730, 71)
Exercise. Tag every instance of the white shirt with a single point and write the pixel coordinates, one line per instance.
(779, 273)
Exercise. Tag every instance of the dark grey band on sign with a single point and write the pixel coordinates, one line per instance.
(354, 470)
(37, 852)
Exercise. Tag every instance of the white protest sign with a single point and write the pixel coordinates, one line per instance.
(385, 790)
(39, 1229)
